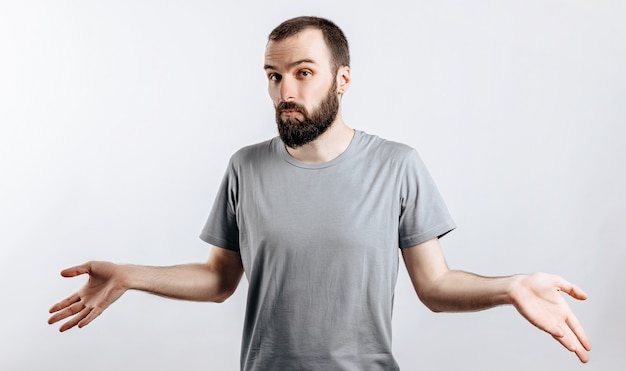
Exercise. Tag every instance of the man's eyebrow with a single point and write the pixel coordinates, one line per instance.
(293, 64)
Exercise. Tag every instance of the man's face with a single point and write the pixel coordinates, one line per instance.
(302, 85)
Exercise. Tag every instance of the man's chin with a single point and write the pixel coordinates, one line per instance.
(291, 121)
(295, 141)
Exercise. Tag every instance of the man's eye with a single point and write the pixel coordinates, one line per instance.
(274, 77)
(305, 73)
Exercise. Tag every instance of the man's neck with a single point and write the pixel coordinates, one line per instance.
(327, 146)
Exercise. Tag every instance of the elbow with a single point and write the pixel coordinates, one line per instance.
(433, 292)
(433, 308)
(222, 279)
(224, 291)
(431, 301)
(431, 305)
(222, 295)
(220, 299)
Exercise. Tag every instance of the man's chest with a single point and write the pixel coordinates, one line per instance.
(325, 207)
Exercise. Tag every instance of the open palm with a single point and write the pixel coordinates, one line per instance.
(105, 285)
(538, 298)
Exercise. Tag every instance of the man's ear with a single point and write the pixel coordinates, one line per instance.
(343, 79)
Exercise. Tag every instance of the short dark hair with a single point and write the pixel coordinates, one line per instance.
(333, 35)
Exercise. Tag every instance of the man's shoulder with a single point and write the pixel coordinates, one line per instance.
(384, 147)
(254, 151)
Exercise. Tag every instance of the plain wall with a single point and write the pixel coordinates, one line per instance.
(117, 119)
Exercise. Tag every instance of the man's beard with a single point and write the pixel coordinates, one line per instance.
(296, 132)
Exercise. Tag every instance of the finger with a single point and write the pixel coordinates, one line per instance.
(93, 314)
(582, 354)
(550, 325)
(571, 289)
(554, 330)
(64, 303)
(571, 343)
(67, 312)
(75, 320)
(76, 270)
(578, 330)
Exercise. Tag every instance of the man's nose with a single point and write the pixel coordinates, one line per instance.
(287, 90)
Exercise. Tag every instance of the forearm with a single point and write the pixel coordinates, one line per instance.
(198, 282)
(458, 291)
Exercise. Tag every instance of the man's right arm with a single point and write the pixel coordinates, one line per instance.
(213, 281)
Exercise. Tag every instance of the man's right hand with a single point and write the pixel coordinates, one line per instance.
(107, 282)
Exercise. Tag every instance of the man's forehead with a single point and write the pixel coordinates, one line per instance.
(305, 46)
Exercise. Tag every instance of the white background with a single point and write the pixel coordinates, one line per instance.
(117, 119)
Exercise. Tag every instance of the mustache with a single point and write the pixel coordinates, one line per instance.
(290, 106)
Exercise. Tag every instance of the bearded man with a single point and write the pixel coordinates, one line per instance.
(317, 218)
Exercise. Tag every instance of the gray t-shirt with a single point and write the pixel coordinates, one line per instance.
(319, 245)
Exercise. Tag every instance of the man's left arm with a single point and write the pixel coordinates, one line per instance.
(536, 297)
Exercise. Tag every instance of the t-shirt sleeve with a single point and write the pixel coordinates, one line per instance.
(221, 228)
(423, 213)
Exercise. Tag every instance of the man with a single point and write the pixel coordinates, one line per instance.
(316, 219)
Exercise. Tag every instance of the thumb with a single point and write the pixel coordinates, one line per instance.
(76, 270)
(572, 290)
